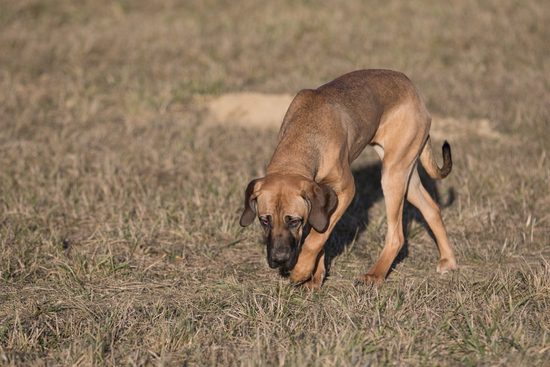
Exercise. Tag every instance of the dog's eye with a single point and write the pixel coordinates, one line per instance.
(264, 222)
(293, 223)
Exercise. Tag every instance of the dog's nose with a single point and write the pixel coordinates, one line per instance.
(280, 257)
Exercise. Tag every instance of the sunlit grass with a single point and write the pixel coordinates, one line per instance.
(120, 199)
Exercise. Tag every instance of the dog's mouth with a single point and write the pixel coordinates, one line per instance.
(288, 263)
(283, 255)
(286, 260)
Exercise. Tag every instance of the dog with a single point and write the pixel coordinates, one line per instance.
(309, 181)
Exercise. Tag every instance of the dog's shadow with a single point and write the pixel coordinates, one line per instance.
(355, 221)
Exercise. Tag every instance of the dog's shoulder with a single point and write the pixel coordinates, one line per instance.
(307, 98)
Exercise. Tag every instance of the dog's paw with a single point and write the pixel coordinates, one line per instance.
(446, 265)
(300, 274)
(315, 282)
(370, 279)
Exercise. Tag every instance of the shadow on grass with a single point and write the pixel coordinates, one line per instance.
(356, 218)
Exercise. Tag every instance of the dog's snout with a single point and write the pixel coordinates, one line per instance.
(279, 251)
(280, 257)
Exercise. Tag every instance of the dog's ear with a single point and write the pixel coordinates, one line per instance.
(250, 196)
(323, 202)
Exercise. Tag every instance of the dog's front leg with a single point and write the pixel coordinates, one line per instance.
(310, 268)
(318, 277)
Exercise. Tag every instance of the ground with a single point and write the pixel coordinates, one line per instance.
(121, 188)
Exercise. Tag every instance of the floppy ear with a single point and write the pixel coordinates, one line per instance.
(323, 202)
(250, 196)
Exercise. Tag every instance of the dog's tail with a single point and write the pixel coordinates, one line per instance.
(430, 165)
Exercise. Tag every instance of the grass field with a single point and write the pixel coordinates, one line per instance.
(120, 197)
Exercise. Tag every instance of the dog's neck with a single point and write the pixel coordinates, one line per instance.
(295, 155)
(290, 170)
(286, 165)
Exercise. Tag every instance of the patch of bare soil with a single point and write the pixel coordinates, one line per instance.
(249, 109)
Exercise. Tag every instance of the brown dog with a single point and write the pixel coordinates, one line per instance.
(309, 179)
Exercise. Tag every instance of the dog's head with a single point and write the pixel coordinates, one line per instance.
(284, 204)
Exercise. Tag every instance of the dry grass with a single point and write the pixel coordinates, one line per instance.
(119, 199)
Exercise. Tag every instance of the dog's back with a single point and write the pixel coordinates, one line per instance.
(353, 105)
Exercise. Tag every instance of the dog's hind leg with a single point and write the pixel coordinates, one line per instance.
(419, 197)
(398, 161)
(394, 185)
